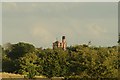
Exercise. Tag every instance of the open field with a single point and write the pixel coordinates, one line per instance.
(11, 76)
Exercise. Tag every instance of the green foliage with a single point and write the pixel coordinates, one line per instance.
(20, 49)
(12, 54)
(0, 58)
(55, 63)
(80, 61)
(28, 64)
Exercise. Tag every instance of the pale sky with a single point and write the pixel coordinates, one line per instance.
(41, 23)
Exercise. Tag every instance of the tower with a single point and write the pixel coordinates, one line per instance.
(64, 44)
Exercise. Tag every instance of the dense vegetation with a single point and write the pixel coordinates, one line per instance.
(79, 61)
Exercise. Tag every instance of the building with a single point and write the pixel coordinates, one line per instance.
(119, 39)
(58, 44)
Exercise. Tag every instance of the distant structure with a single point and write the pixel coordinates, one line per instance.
(58, 44)
(89, 43)
(119, 39)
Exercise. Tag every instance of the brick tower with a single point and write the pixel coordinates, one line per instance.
(62, 44)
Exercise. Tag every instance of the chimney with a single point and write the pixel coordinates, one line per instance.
(64, 43)
(63, 39)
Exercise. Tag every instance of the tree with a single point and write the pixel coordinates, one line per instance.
(12, 54)
(20, 49)
(0, 58)
(28, 65)
(54, 62)
(79, 61)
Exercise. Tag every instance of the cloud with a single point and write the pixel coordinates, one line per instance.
(0, 36)
(39, 31)
(34, 5)
(9, 6)
(46, 21)
(19, 7)
(97, 31)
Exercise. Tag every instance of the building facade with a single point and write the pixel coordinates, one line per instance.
(58, 44)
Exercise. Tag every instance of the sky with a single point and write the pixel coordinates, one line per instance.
(41, 23)
(0, 37)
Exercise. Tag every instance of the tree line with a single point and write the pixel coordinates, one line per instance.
(78, 61)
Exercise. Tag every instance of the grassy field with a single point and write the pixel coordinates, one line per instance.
(11, 76)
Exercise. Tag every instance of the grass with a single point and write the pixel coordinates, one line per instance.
(11, 75)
